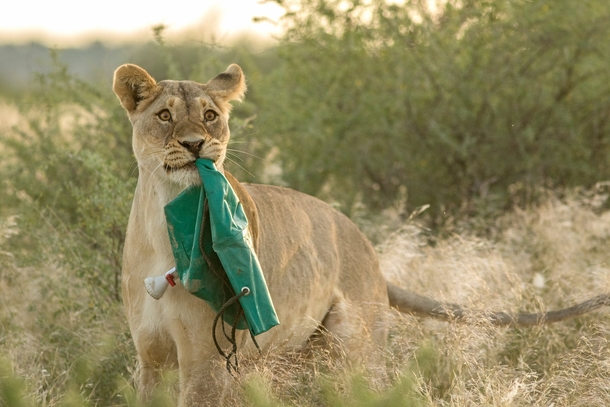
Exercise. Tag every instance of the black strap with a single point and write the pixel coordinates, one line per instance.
(232, 365)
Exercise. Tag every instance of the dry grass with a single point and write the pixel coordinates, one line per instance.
(543, 258)
(537, 259)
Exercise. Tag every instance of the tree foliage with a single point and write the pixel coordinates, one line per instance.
(477, 98)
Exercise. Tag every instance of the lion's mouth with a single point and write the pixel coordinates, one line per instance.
(188, 166)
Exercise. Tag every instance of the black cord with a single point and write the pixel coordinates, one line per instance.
(231, 366)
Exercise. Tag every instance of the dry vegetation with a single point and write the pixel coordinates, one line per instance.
(543, 258)
(60, 351)
(484, 104)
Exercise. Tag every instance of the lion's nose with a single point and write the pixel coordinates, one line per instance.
(192, 146)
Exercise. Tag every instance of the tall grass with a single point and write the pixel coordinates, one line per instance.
(59, 349)
(67, 177)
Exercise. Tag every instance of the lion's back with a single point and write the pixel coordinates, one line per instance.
(310, 246)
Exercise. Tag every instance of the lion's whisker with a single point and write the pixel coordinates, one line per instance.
(234, 156)
(234, 162)
(246, 153)
(156, 168)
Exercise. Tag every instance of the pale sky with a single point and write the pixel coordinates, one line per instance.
(73, 22)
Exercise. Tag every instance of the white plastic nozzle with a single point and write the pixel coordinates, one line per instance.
(156, 286)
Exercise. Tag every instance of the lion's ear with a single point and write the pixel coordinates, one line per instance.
(228, 85)
(133, 85)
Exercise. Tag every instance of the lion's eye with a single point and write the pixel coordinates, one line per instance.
(164, 115)
(210, 115)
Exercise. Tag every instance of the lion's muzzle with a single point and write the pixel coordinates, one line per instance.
(192, 146)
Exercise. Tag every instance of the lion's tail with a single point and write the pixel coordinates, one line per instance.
(412, 303)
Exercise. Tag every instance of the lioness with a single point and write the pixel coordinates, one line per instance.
(321, 271)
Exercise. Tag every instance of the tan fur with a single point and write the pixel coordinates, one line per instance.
(321, 271)
(318, 265)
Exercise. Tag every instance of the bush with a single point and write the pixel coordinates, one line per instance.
(68, 173)
(373, 101)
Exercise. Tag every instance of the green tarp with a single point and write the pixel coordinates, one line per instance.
(211, 217)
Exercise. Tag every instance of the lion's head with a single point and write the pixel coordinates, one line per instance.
(174, 123)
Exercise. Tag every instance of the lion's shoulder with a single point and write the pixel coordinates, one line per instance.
(284, 208)
(279, 196)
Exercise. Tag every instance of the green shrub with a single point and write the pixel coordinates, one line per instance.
(375, 100)
(69, 174)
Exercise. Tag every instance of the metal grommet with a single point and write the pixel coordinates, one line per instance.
(245, 290)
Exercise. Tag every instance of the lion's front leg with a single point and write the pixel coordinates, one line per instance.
(204, 379)
(148, 379)
(155, 353)
(206, 384)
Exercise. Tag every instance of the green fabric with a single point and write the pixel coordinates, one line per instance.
(231, 261)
